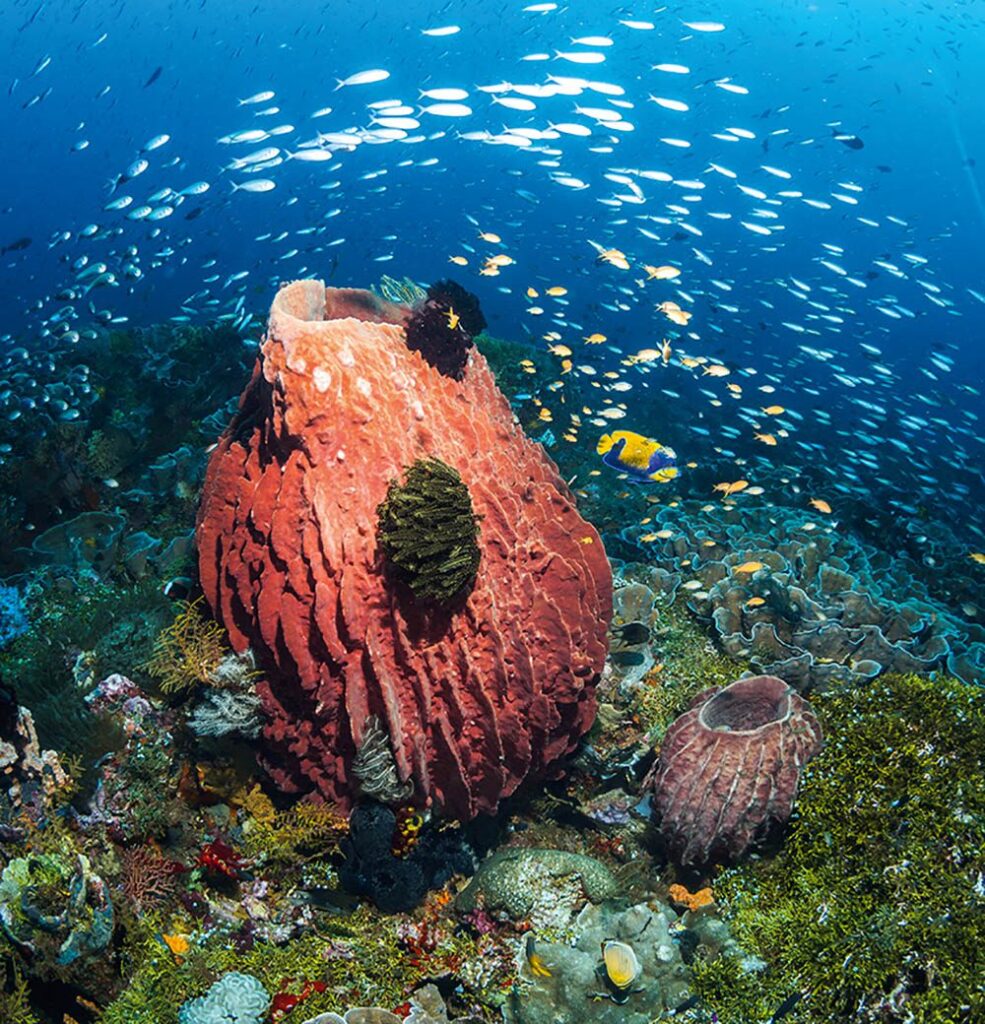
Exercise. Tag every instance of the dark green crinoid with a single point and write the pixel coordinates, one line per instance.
(428, 531)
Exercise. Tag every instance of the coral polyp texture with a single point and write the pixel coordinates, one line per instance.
(473, 696)
(729, 768)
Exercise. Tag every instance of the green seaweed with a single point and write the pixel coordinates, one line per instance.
(428, 531)
(873, 908)
(15, 997)
(73, 642)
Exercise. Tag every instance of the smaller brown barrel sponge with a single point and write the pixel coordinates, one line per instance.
(729, 768)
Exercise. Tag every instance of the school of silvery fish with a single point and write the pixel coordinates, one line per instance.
(871, 421)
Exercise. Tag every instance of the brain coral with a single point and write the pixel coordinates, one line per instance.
(729, 767)
(474, 697)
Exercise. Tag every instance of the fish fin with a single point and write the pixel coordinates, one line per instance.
(605, 443)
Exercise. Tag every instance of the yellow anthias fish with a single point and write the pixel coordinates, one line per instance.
(661, 273)
(674, 312)
(501, 260)
(716, 370)
(749, 567)
(642, 458)
(977, 556)
(595, 339)
(532, 293)
(765, 438)
(774, 410)
(755, 602)
(559, 350)
(459, 261)
(614, 257)
(820, 505)
(556, 291)
(453, 319)
(732, 488)
(665, 351)
(490, 237)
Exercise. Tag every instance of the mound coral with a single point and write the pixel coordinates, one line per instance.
(729, 767)
(474, 698)
(234, 999)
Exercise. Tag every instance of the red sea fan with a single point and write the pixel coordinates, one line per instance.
(472, 700)
(729, 767)
(147, 878)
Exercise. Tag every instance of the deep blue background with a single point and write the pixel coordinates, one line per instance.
(907, 77)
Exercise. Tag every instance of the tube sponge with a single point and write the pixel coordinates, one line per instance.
(234, 999)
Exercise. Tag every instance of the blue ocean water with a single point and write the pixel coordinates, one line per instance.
(789, 237)
(748, 234)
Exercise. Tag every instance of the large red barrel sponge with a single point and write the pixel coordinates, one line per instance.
(448, 703)
(729, 768)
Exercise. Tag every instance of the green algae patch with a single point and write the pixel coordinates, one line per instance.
(872, 911)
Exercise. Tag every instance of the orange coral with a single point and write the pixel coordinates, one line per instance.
(691, 900)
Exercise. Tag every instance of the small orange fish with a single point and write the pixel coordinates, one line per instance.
(732, 488)
(766, 438)
(453, 319)
(774, 410)
(977, 556)
(755, 602)
(821, 505)
(749, 567)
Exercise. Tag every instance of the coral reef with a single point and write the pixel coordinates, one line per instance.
(872, 910)
(234, 999)
(517, 882)
(729, 768)
(13, 618)
(397, 879)
(30, 775)
(428, 531)
(474, 700)
(570, 980)
(56, 913)
(228, 713)
(189, 652)
(810, 604)
(89, 541)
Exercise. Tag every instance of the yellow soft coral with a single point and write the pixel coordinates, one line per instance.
(279, 836)
(189, 651)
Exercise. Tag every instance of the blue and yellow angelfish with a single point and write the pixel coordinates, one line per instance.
(641, 458)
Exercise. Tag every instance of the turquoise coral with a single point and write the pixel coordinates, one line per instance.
(55, 911)
(234, 999)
